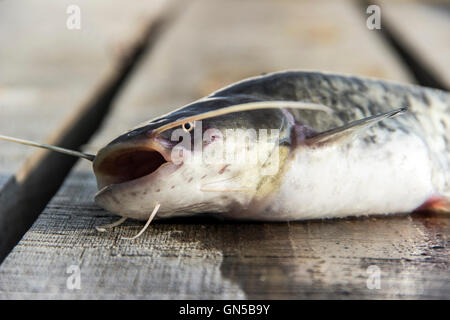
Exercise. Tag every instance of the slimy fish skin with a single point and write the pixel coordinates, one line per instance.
(338, 146)
(356, 160)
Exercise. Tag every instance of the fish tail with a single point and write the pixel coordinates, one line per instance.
(436, 203)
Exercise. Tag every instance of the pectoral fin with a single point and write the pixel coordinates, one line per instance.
(352, 129)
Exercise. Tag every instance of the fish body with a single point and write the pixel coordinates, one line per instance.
(305, 167)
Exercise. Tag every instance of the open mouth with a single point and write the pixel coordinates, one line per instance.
(127, 164)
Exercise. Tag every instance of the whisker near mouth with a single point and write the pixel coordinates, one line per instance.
(125, 165)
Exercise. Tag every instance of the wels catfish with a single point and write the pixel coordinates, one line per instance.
(339, 146)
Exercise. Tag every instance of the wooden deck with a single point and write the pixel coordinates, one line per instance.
(57, 85)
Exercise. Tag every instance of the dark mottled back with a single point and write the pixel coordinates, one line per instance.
(350, 97)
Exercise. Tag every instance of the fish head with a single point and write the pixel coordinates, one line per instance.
(212, 166)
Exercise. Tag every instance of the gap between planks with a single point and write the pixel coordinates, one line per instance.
(417, 64)
(26, 194)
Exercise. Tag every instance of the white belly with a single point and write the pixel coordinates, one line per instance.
(390, 176)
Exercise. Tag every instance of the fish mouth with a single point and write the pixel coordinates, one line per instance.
(123, 163)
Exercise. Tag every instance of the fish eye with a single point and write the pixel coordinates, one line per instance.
(188, 126)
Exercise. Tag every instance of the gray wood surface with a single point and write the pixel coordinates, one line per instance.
(48, 71)
(189, 259)
(55, 86)
(423, 29)
(212, 44)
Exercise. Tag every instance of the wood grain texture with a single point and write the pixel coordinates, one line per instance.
(204, 259)
(214, 43)
(26, 192)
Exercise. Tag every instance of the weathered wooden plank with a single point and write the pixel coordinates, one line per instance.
(199, 259)
(213, 43)
(63, 236)
(48, 70)
(422, 28)
(71, 91)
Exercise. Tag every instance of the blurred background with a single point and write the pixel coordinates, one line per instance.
(78, 73)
